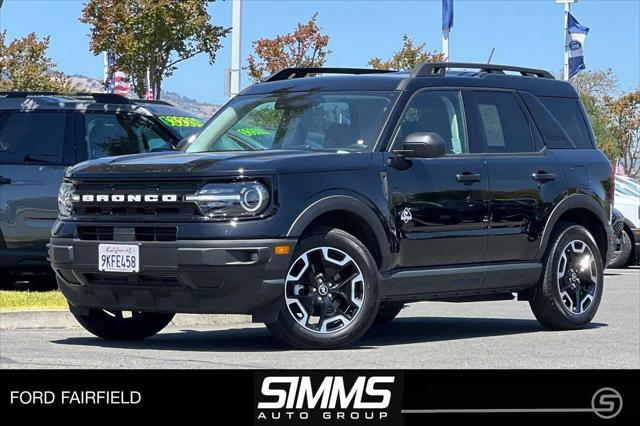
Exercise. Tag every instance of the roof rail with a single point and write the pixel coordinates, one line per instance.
(288, 73)
(111, 98)
(439, 68)
(151, 101)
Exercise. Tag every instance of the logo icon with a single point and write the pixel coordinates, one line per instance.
(575, 45)
(606, 403)
(406, 215)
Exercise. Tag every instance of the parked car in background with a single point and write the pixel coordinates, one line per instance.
(43, 133)
(627, 202)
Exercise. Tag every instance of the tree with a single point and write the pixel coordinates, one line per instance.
(624, 124)
(598, 116)
(306, 46)
(154, 35)
(407, 57)
(596, 84)
(24, 65)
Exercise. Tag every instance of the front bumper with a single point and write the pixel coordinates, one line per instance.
(212, 276)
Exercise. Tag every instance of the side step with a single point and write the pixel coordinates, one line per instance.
(476, 298)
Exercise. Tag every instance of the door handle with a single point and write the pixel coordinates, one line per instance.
(543, 177)
(467, 178)
(4, 180)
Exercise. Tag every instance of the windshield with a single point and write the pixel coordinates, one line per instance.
(316, 121)
(627, 186)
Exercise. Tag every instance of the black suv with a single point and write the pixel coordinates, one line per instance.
(41, 133)
(323, 204)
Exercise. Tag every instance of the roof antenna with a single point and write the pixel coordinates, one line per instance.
(493, 49)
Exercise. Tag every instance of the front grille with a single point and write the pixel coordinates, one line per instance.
(156, 233)
(95, 233)
(142, 233)
(617, 227)
(140, 280)
(115, 209)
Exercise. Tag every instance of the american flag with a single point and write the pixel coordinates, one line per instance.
(119, 82)
(620, 169)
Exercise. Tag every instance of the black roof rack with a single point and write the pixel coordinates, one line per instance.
(151, 101)
(439, 68)
(288, 73)
(110, 98)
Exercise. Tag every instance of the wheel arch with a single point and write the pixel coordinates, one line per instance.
(350, 214)
(585, 211)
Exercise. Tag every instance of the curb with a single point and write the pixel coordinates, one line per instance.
(25, 320)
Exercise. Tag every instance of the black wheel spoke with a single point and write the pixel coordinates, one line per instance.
(324, 293)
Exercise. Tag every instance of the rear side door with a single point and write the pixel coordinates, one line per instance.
(525, 179)
(35, 148)
(440, 204)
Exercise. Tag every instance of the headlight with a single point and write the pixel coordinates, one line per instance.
(64, 199)
(231, 200)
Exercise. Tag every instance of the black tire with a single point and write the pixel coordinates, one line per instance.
(112, 325)
(548, 305)
(388, 311)
(287, 328)
(620, 258)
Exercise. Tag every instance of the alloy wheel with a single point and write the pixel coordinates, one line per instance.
(577, 277)
(324, 290)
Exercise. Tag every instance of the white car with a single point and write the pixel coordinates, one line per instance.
(627, 201)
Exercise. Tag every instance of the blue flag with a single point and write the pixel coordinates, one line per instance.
(447, 14)
(576, 35)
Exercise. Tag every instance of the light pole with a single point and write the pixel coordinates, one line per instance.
(236, 22)
(567, 9)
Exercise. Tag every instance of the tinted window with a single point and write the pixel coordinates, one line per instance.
(503, 123)
(436, 112)
(567, 112)
(552, 133)
(121, 134)
(38, 135)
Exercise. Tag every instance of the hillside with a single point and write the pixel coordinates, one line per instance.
(202, 109)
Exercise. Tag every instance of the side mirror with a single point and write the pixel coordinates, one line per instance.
(423, 145)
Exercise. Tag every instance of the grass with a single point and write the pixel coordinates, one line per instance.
(31, 300)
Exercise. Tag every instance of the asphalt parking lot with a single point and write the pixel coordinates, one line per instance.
(425, 335)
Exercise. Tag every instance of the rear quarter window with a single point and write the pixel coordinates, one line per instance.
(568, 115)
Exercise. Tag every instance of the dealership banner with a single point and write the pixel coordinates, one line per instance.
(313, 397)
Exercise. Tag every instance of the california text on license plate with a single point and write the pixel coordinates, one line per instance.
(118, 258)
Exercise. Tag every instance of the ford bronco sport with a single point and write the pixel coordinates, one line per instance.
(42, 133)
(323, 204)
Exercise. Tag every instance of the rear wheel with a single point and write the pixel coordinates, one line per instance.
(330, 294)
(388, 311)
(119, 325)
(570, 291)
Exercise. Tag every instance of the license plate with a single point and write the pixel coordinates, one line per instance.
(118, 258)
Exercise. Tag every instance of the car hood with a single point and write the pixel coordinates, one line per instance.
(218, 164)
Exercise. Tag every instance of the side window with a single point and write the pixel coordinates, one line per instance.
(32, 136)
(121, 134)
(567, 112)
(503, 123)
(438, 112)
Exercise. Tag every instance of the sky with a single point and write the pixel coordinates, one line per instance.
(523, 32)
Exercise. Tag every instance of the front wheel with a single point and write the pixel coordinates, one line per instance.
(571, 288)
(330, 293)
(119, 325)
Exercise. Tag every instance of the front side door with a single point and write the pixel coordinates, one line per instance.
(524, 178)
(440, 205)
(35, 149)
